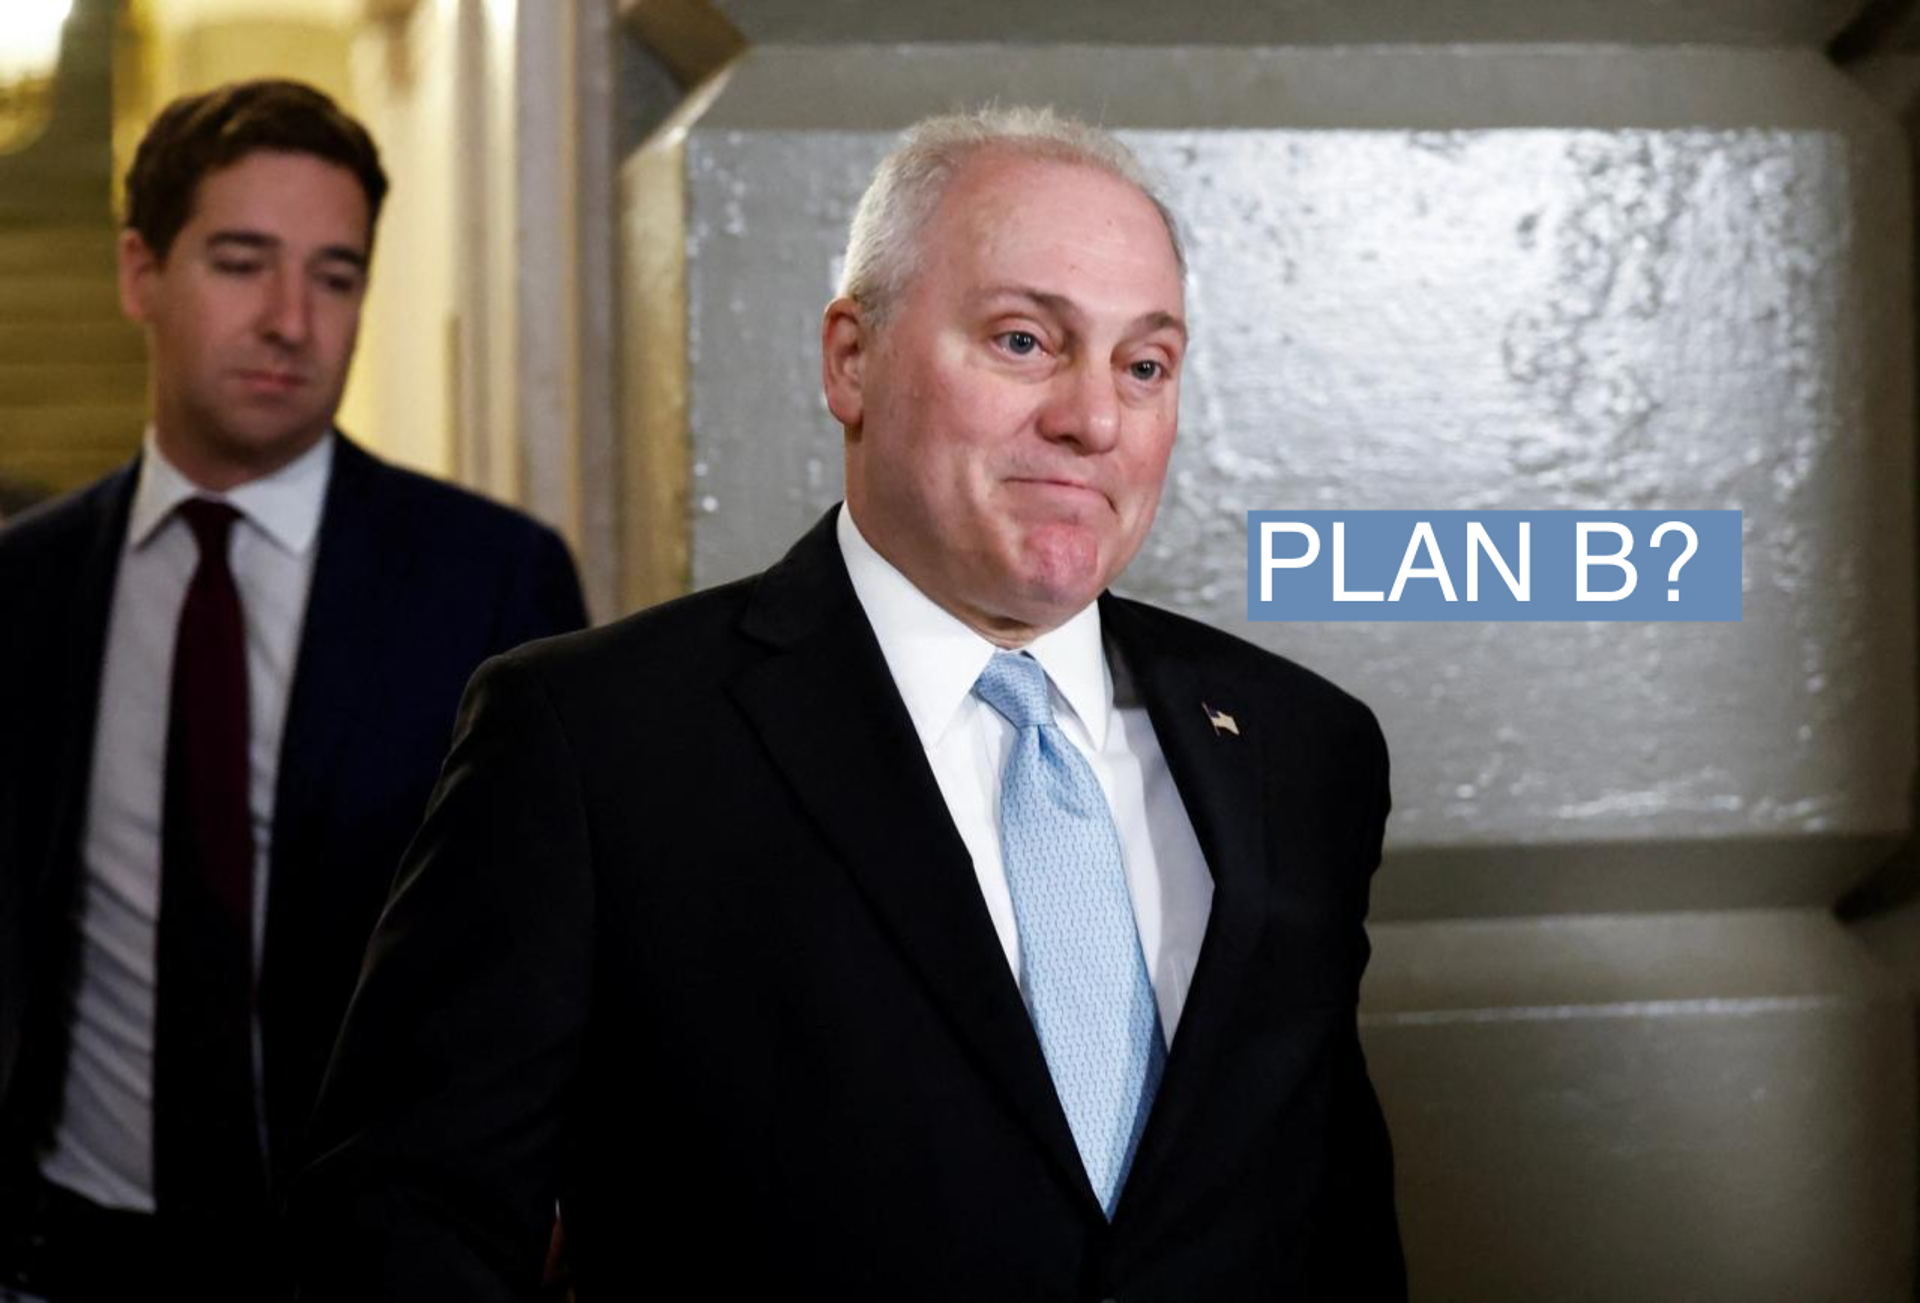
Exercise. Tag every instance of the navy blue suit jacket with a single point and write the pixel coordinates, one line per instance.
(415, 583)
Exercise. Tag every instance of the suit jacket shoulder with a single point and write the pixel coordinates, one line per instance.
(650, 663)
(440, 535)
(678, 640)
(44, 544)
(443, 504)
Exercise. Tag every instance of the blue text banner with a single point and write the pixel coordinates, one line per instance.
(1493, 565)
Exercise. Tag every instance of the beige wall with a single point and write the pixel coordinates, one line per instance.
(72, 374)
(408, 377)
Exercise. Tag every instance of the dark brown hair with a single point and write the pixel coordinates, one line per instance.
(199, 134)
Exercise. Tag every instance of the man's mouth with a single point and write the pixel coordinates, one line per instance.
(270, 380)
(1062, 487)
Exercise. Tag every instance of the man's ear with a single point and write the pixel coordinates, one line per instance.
(138, 267)
(845, 341)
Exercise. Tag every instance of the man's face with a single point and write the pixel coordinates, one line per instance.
(251, 317)
(1008, 426)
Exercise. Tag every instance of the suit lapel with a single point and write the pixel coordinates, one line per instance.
(823, 704)
(331, 670)
(1218, 773)
(335, 670)
(85, 644)
(64, 660)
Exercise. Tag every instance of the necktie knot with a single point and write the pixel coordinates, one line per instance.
(1015, 685)
(211, 523)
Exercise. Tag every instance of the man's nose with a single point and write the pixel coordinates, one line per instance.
(1085, 407)
(287, 315)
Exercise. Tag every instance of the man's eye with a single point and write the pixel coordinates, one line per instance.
(235, 267)
(1020, 343)
(341, 284)
(1147, 371)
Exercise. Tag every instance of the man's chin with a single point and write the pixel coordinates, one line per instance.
(1064, 566)
(1048, 600)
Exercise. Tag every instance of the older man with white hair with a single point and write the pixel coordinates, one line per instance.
(915, 920)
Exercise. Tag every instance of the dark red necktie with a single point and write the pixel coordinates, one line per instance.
(206, 1142)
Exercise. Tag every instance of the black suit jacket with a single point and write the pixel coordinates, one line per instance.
(689, 941)
(415, 583)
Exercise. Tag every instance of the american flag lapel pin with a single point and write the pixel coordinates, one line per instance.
(1222, 722)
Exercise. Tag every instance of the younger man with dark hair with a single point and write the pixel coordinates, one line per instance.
(228, 674)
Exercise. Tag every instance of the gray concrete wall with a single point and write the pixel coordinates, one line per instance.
(1625, 1050)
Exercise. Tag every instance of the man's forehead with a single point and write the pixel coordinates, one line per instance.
(997, 177)
(1070, 240)
(261, 173)
(255, 184)
(1002, 196)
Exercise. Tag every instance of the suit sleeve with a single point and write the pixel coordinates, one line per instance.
(438, 1128)
(1362, 1260)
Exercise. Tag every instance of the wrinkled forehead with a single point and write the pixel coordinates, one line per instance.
(997, 179)
(1066, 229)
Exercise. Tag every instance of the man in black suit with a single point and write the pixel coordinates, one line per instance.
(914, 920)
(228, 673)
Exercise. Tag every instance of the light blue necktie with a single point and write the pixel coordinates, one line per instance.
(1081, 968)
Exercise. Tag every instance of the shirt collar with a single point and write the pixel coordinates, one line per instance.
(935, 658)
(285, 506)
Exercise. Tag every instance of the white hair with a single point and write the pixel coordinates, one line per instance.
(883, 243)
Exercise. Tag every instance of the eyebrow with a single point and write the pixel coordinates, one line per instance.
(261, 242)
(1061, 305)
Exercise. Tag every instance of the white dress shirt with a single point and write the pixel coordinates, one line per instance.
(934, 659)
(103, 1143)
